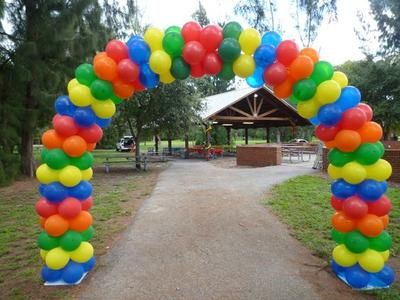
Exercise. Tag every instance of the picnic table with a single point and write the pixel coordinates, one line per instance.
(300, 152)
(210, 153)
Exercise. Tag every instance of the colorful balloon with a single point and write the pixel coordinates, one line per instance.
(232, 30)
(249, 40)
(287, 52)
(211, 37)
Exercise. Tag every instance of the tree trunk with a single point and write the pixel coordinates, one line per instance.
(156, 144)
(137, 150)
(169, 146)
(26, 150)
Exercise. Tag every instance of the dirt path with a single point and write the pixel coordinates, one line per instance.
(204, 234)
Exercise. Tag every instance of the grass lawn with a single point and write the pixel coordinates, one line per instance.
(117, 196)
(303, 203)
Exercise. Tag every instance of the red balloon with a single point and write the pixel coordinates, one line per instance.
(191, 31)
(45, 208)
(353, 118)
(91, 134)
(138, 86)
(197, 71)
(367, 110)
(355, 208)
(287, 52)
(193, 53)
(69, 208)
(275, 74)
(211, 37)
(65, 125)
(87, 203)
(326, 133)
(212, 63)
(128, 71)
(336, 203)
(380, 207)
(117, 50)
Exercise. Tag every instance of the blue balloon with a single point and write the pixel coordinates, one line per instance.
(264, 56)
(72, 272)
(314, 121)
(337, 268)
(64, 106)
(386, 275)
(271, 38)
(139, 51)
(343, 189)
(55, 192)
(350, 97)
(103, 122)
(134, 38)
(41, 189)
(87, 266)
(81, 191)
(50, 275)
(256, 80)
(84, 116)
(147, 77)
(329, 114)
(356, 277)
(371, 190)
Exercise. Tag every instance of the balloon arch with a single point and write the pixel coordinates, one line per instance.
(321, 94)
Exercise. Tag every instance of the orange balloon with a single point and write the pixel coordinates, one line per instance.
(98, 56)
(91, 146)
(347, 140)
(330, 144)
(42, 221)
(311, 53)
(343, 223)
(284, 90)
(301, 67)
(370, 225)
(74, 146)
(105, 68)
(81, 222)
(56, 225)
(370, 132)
(122, 89)
(385, 220)
(51, 139)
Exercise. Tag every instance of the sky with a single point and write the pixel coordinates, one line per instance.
(336, 41)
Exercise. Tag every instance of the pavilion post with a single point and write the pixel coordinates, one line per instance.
(186, 145)
(228, 135)
(268, 135)
(246, 135)
(169, 146)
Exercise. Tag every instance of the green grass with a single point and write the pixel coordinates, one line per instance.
(303, 203)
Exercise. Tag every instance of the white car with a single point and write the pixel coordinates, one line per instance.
(298, 141)
(127, 143)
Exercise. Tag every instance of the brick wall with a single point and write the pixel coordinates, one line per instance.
(258, 155)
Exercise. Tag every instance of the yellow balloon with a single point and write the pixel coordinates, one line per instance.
(83, 253)
(70, 176)
(167, 77)
(103, 109)
(244, 66)
(308, 109)
(45, 174)
(71, 84)
(43, 254)
(380, 171)
(87, 174)
(340, 78)
(328, 92)
(385, 255)
(153, 37)
(371, 261)
(57, 258)
(343, 256)
(334, 172)
(80, 95)
(354, 173)
(160, 62)
(249, 40)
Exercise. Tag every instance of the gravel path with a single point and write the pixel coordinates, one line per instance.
(204, 234)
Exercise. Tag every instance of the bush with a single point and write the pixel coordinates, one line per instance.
(9, 167)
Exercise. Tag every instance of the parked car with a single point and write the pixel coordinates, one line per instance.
(127, 143)
(295, 141)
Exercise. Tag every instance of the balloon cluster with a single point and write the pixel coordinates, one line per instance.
(321, 94)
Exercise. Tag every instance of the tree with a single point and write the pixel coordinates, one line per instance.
(200, 15)
(259, 13)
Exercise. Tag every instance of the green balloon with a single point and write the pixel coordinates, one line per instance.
(57, 159)
(293, 100)
(173, 43)
(173, 28)
(47, 242)
(356, 242)
(232, 30)
(84, 73)
(87, 234)
(83, 162)
(323, 70)
(381, 242)
(229, 50)
(70, 240)
(304, 89)
(381, 147)
(116, 99)
(226, 72)
(368, 154)
(43, 154)
(339, 158)
(180, 69)
(101, 89)
(338, 236)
